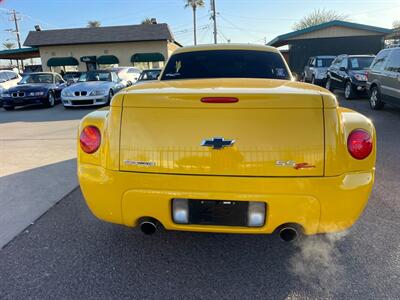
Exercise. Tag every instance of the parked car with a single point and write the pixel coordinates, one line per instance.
(349, 72)
(34, 88)
(148, 76)
(92, 88)
(384, 78)
(129, 75)
(71, 77)
(226, 141)
(315, 69)
(8, 79)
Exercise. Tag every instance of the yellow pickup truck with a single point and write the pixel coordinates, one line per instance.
(226, 141)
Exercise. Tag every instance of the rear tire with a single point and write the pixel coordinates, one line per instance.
(8, 107)
(375, 100)
(348, 90)
(328, 84)
(51, 100)
(110, 95)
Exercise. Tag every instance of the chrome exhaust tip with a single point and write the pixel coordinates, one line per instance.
(288, 234)
(148, 227)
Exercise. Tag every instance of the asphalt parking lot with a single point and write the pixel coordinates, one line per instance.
(37, 163)
(68, 254)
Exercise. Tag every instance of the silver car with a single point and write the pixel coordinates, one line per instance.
(315, 69)
(93, 88)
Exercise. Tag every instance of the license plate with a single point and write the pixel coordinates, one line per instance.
(218, 212)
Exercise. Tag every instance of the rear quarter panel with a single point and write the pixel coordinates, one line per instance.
(108, 121)
(339, 123)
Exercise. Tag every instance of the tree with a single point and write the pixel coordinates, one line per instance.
(319, 16)
(93, 24)
(194, 4)
(8, 45)
(396, 24)
(147, 21)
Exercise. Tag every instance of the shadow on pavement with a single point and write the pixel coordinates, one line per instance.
(26, 195)
(42, 114)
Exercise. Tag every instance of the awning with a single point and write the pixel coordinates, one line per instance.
(23, 53)
(62, 61)
(147, 57)
(88, 59)
(107, 60)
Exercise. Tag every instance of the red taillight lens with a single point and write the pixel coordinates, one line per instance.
(90, 139)
(219, 99)
(359, 144)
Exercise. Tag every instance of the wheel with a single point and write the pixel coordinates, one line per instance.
(375, 99)
(110, 95)
(328, 84)
(51, 100)
(8, 107)
(313, 79)
(348, 91)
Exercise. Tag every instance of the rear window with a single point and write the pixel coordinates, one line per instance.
(225, 64)
(324, 62)
(360, 63)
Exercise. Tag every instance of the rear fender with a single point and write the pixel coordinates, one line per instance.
(339, 123)
(108, 121)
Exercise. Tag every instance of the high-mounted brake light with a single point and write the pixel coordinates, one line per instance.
(359, 143)
(219, 99)
(90, 139)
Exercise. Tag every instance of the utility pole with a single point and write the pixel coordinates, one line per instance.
(15, 18)
(214, 17)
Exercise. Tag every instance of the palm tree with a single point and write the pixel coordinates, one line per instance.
(147, 21)
(194, 4)
(93, 24)
(8, 45)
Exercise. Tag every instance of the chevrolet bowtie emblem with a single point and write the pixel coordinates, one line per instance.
(217, 143)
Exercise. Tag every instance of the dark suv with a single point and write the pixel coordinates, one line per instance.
(384, 78)
(349, 72)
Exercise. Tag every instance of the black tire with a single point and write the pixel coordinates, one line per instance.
(349, 90)
(51, 100)
(110, 95)
(328, 84)
(313, 79)
(8, 107)
(375, 99)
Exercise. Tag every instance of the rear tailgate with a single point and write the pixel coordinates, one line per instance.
(163, 133)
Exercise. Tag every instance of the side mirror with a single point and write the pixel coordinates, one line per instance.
(70, 81)
(342, 69)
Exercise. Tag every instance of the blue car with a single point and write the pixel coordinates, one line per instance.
(42, 88)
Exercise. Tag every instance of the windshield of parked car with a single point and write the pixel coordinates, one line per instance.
(37, 78)
(95, 76)
(149, 75)
(324, 62)
(360, 63)
(225, 64)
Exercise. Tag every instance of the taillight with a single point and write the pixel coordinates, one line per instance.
(90, 139)
(219, 99)
(359, 144)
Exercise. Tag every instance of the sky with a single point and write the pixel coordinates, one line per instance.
(240, 21)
